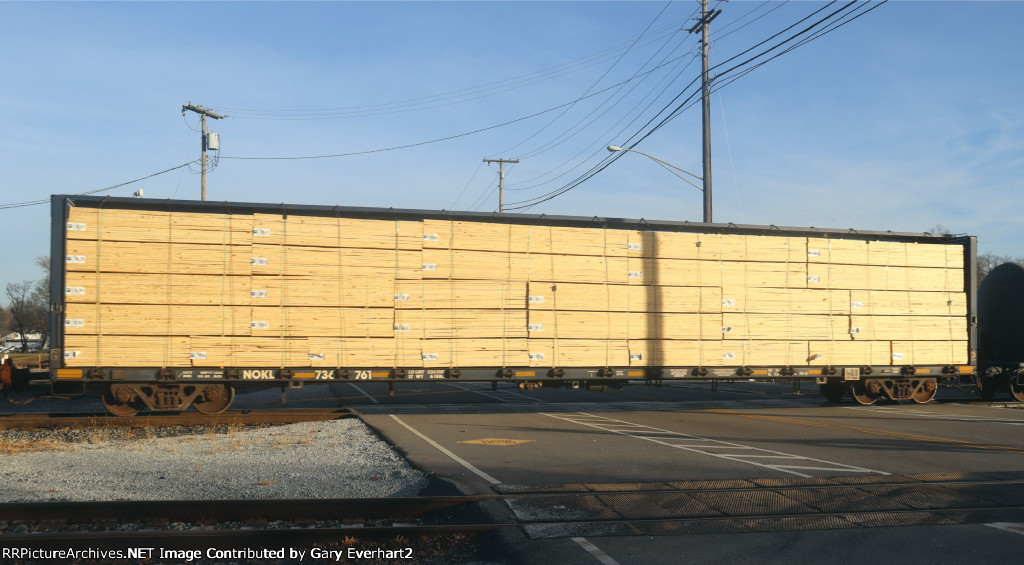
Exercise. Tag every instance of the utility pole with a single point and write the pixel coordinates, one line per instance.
(702, 24)
(203, 114)
(501, 180)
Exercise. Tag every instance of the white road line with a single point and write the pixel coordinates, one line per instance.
(610, 424)
(456, 458)
(1012, 527)
(375, 401)
(939, 415)
(499, 395)
(595, 551)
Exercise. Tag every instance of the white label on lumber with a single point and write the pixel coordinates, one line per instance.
(812, 278)
(535, 299)
(316, 357)
(75, 226)
(260, 325)
(536, 357)
(261, 232)
(71, 354)
(728, 302)
(402, 327)
(634, 246)
(431, 237)
(813, 253)
(430, 266)
(636, 356)
(79, 290)
(897, 356)
(726, 329)
(856, 305)
(197, 355)
(728, 356)
(535, 327)
(401, 298)
(74, 323)
(636, 274)
(75, 259)
(855, 330)
(430, 356)
(260, 261)
(257, 294)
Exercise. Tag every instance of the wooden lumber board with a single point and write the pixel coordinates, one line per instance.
(675, 353)
(471, 294)
(689, 272)
(885, 253)
(336, 232)
(572, 324)
(486, 265)
(334, 263)
(857, 353)
(83, 350)
(365, 352)
(152, 226)
(134, 257)
(746, 326)
(718, 247)
(577, 352)
(495, 237)
(155, 320)
(240, 351)
(622, 298)
(927, 328)
(874, 277)
(304, 321)
(895, 302)
(763, 352)
(474, 352)
(307, 290)
(929, 352)
(144, 288)
(461, 323)
(761, 300)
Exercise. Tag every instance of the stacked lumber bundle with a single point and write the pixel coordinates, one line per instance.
(167, 288)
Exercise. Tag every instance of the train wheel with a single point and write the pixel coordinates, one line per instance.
(120, 402)
(926, 392)
(1017, 391)
(834, 392)
(859, 392)
(215, 399)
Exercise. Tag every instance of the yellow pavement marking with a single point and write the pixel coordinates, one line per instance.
(901, 435)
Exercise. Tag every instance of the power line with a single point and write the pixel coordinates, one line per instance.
(112, 187)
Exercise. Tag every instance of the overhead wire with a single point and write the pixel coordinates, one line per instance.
(95, 191)
(689, 101)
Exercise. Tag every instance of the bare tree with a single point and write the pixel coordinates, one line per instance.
(939, 229)
(41, 300)
(989, 261)
(23, 310)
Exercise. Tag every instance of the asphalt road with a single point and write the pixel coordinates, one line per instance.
(483, 440)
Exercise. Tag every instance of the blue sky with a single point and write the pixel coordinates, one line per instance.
(905, 118)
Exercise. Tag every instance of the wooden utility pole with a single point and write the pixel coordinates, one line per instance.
(501, 180)
(702, 25)
(203, 114)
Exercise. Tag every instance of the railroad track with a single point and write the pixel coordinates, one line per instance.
(31, 421)
(544, 511)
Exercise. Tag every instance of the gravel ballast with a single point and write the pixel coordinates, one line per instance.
(330, 459)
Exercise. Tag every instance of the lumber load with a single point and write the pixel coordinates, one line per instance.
(330, 288)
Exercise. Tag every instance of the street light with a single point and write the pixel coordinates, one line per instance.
(668, 166)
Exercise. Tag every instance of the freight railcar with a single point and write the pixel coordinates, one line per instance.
(1001, 324)
(163, 304)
